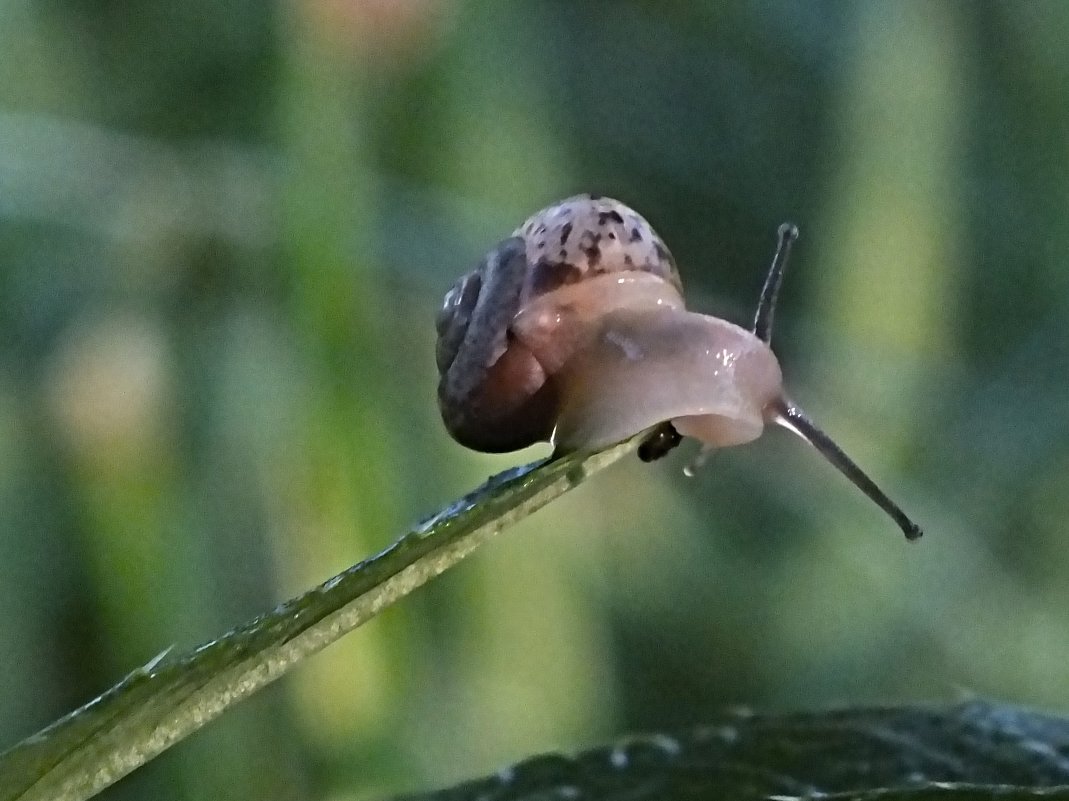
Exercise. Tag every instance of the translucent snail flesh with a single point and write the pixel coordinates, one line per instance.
(574, 331)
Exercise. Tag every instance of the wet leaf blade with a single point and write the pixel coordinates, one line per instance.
(163, 702)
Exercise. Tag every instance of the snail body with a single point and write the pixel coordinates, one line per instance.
(711, 379)
(574, 331)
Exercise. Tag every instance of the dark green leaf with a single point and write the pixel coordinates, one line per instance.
(974, 750)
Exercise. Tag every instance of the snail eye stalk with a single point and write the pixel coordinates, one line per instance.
(791, 417)
(766, 307)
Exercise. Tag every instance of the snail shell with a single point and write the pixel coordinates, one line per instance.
(574, 330)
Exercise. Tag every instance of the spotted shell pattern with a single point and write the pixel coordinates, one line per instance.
(590, 235)
(506, 328)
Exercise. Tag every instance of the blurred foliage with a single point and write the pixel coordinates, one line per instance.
(225, 229)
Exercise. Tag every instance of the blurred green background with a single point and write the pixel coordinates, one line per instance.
(225, 229)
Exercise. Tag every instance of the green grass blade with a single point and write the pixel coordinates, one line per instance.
(174, 695)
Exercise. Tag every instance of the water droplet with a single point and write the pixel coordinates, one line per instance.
(697, 462)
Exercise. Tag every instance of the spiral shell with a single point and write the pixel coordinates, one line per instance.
(505, 328)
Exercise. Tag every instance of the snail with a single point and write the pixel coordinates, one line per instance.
(573, 331)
